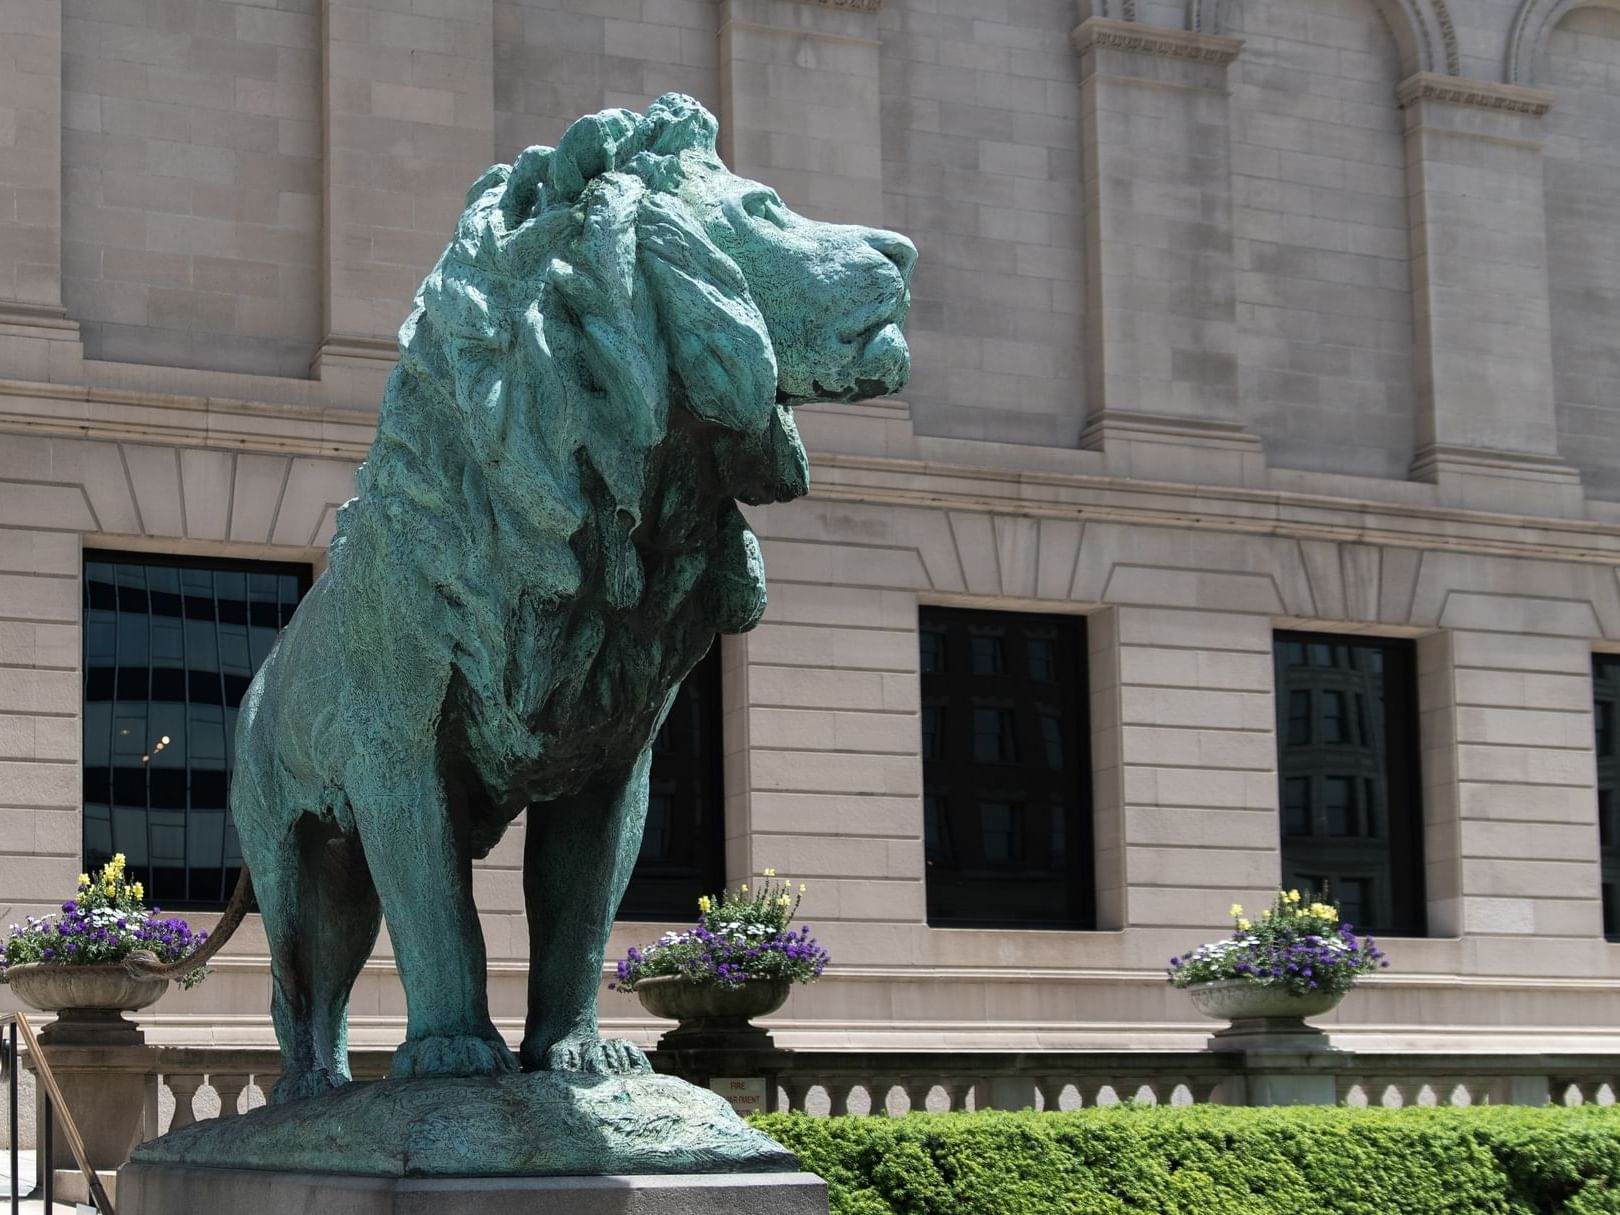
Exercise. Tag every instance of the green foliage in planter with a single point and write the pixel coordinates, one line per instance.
(1216, 1160)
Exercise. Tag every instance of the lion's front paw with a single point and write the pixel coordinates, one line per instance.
(610, 1057)
(463, 1055)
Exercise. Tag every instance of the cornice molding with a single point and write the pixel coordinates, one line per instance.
(1483, 94)
(858, 6)
(65, 411)
(1108, 33)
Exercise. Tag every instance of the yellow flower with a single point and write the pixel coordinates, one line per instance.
(783, 901)
(1292, 896)
(1244, 925)
(743, 888)
(770, 873)
(803, 888)
(705, 904)
(138, 891)
(111, 890)
(1235, 910)
(84, 879)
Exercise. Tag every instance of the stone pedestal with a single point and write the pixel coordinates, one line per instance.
(154, 1189)
(99, 1061)
(708, 1062)
(1279, 1078)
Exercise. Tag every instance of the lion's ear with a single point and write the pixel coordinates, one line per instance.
(719, 348)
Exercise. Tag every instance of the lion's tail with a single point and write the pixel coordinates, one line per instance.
(145, 964)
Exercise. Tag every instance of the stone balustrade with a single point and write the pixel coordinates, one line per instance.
(188, 1084)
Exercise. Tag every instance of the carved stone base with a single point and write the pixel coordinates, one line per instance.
(155, 1189)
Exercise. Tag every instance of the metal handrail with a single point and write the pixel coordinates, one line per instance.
(17, 1027)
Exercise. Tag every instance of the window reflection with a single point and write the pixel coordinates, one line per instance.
(1348, 776)
(170, 645)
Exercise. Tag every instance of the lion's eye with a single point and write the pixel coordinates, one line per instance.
(767, 207)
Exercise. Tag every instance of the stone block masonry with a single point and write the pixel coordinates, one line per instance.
(1214, 333)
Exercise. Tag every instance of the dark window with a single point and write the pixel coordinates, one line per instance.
(683, 846)
(170, 645)
(995, 736)
(1605, 698)
(1352, 817)
(1006, 770)
(1299, 719)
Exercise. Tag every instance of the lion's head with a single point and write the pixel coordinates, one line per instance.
(605, 356)
(625, 283)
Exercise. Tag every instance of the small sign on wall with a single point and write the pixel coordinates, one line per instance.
(746, 1093)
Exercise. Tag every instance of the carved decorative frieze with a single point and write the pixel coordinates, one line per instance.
(1486, 94)
(1107, 33)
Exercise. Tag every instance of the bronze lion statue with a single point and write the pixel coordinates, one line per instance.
(545, 540)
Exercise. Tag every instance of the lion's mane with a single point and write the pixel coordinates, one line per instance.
(583, 365)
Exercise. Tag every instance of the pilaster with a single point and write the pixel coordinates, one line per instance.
(1510, 820)
(409, 124)
(1161, 308)
(1184, 765)
(1485, 426)
(799, 102)
(37, 340)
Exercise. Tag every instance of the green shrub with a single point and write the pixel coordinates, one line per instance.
(1216, 1160)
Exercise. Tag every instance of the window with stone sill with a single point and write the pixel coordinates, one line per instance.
(170, 645)
(1006, 769)
(1605, 702)
(1348, 778)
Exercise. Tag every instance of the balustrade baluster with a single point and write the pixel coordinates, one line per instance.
(183, 1086)
(880, 1091)
(917, 1094)
(229, 1086)
(838, 1092)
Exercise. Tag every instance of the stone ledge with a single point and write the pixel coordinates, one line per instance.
(1109, 33)
(1482, 94)
(38, 320)
(146, 1189)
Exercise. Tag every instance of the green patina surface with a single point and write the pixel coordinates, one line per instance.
(540, 1124)
(545, 540)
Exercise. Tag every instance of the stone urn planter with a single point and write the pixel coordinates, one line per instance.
(1262, 1017)
(712, 1017)
(95, 1052)
(89, 1000)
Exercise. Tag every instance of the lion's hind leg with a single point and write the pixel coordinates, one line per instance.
(321, 916)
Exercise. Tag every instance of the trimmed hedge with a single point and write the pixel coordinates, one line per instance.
(1216, 1160)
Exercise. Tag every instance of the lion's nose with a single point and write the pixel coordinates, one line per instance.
(895, 247)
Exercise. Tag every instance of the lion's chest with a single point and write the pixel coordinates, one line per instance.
(585, 693)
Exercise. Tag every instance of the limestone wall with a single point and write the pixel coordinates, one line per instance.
(1230, 317)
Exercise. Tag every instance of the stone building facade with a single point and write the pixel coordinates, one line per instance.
(1233, 317)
